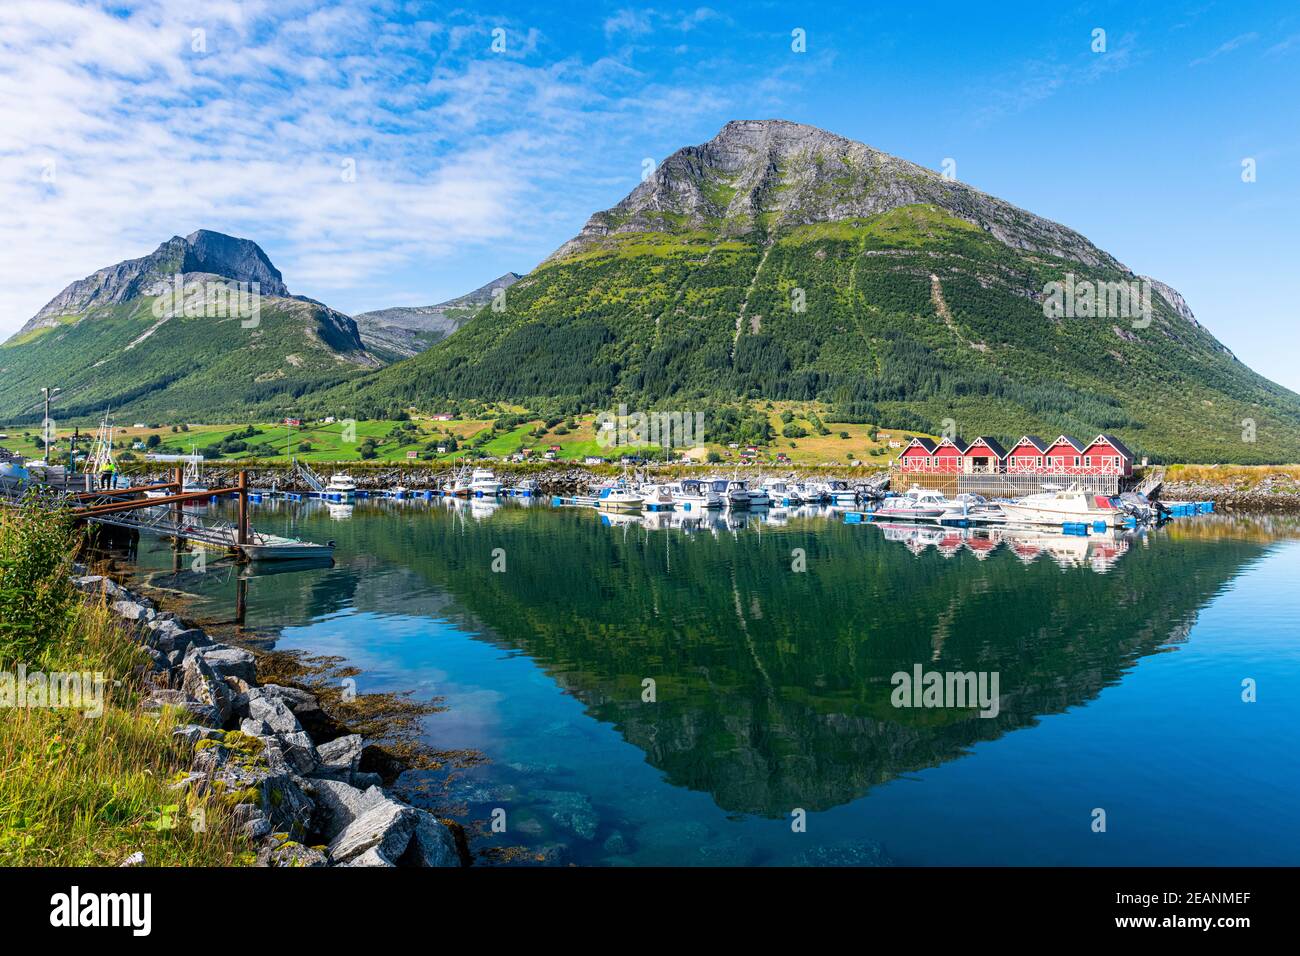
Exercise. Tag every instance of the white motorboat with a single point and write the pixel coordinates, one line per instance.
(733, 492)
(758, 497)
(813, 492)
(694, 494)
(918, 504)
(483, 483)
(618, 496)
(781, 492)
(526, 488)
(656, 497)
(1057, 507)
(840, 493)
(341, 485)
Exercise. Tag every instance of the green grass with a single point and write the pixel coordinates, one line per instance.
(78, 789)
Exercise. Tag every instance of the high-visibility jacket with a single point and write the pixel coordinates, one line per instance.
(107, 465)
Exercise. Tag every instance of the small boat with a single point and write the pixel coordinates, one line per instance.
(1057, 507)
(274, 547)
(457, 485)
(813, 492)
(693, 494)
(341, 485)
(758, 497)
(782, 492)
(618, 496)
(733, 492)
(398, 491)
(840, 493)
(483, 483)
(918, 504)
(525, 488)
(656, 497)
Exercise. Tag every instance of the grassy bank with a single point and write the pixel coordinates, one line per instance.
(78, 788)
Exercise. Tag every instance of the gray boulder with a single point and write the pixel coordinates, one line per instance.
(200, 685)
(274, 713)
(386, 827)
(343, 753)
(231, 662)
(432, 845)
(134, 611)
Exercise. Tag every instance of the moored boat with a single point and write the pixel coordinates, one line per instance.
(1056, 507)
(692, 493)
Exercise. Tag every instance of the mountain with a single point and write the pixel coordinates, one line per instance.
(779, 261)
(407, 330)
(169, 336)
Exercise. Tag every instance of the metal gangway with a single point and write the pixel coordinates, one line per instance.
(309, 477)
(1151, 484)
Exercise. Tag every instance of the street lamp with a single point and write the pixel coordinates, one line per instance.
(45, 425)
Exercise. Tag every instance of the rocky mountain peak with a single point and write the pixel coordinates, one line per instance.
(762, 176)
(203, 252)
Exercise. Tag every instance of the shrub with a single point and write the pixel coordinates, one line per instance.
(35, 593)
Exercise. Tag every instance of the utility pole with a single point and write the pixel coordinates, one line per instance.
(48, 392)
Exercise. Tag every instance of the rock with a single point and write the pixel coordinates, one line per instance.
(199, 683)
(571, 810)
(338, 804)
(237, 767)
(297, 700)
(299, 751)
(856, 853)
(372, 857)
(365, 781)
(387, 827)
(231, 662)
(134, 611)
(345, 752)
(97, 584)
(254, 728)
(616, 844)
(167, 636)
(274, 713)
(193, 733)
(292, 854)
(432, 844)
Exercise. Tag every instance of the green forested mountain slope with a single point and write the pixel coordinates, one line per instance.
(105, 345)
(922, 301)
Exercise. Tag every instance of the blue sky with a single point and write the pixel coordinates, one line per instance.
(123, 124)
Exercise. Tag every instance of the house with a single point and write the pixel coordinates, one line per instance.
(1026, 456)
(948, 456)
(918, 456)
(444, 417)
(1063, 454)
(983, 456)
(1107, 455)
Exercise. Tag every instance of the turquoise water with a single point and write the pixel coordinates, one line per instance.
(1120, 664)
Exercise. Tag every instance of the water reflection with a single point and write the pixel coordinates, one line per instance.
(773, 679)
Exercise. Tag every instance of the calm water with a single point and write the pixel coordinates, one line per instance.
(1120, 664)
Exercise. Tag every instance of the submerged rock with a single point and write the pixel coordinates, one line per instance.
(854, 853)
(571, 810)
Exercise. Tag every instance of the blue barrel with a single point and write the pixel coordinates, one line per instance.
(852, 517)
(1099, 527)
(1075, 528)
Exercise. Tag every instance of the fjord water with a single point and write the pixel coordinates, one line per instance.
(1120, 664)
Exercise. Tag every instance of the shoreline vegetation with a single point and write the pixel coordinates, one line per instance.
(129, 737)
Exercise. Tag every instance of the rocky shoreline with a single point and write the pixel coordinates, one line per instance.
(302, 789)
(1267, 496)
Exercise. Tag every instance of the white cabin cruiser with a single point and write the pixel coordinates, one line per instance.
(341, 485)
(484, 484)
(693, 494)
(918, 504)
(1060, 507)
(657, 497)
(618, 496)
(840, 493)
(782, 492)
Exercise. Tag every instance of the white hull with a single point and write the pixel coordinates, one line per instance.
(1039, 514)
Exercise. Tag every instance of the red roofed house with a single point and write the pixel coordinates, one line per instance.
(983, 456)
(1063, 455)
(918, 456)
(948, 456)
(1107, 455)
(1026, 456)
